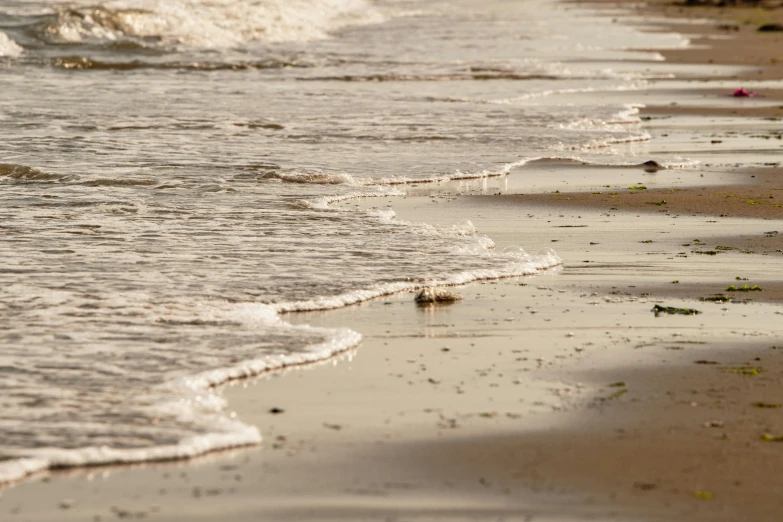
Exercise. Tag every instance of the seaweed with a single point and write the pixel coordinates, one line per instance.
(742, 370)
(658, 309)
(766, 405)
(744, 288)
(617, 394)
(719, 298)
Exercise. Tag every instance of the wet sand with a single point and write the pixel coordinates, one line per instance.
(760, 196)
(557, 397)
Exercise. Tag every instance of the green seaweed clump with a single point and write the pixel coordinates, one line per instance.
(744, 288)
(719, 298)
(768, 437)
(637, 187)
(743, 370)
(766, 405)
(658, 309)
(617, 395)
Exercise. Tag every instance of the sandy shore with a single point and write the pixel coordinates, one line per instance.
(558, 397)
(546, 398)
(755, 199)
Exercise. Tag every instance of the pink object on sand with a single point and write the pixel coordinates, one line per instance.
(742, 93)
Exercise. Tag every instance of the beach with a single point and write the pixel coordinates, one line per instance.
(564, 395)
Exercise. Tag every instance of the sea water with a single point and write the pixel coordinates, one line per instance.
(167, 169)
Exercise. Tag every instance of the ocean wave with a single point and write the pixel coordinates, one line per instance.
(176, 419)
(315, 176)
(171, 412)
(517, 265)
(445, 77)
(535, 94)
(203, 23)
(32, 174)
(629, 115)
(83, 63)
(384, 184)
(603, 143)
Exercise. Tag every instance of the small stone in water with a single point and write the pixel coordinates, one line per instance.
(437, 295)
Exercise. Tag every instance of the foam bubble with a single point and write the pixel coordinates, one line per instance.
(516, 251)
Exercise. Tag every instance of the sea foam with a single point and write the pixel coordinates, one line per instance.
(209, 24)
(8, 47)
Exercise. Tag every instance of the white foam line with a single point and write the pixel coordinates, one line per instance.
(513, 270)
(233, 432)
(325, 201)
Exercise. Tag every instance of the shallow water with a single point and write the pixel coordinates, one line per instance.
(166, 171)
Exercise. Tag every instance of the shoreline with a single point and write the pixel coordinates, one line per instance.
(534, 463)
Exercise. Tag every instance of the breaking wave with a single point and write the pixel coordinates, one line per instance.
(11, 171)
(203, 23)
(83, 63)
